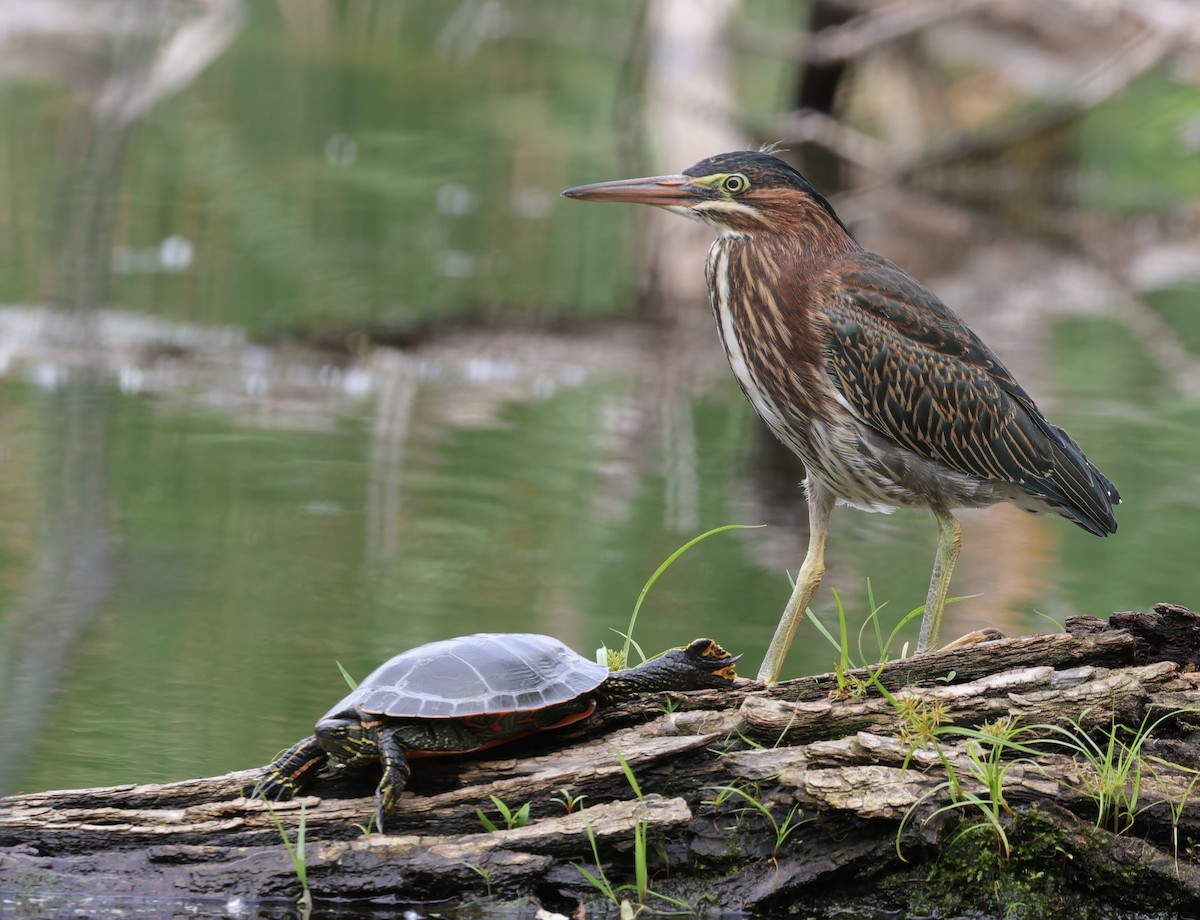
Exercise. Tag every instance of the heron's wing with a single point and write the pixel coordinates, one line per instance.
(906, 365)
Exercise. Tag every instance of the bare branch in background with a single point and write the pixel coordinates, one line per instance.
(1138, 38)
(885, 24)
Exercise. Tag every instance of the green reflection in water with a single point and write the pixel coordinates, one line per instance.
(1146, 435)
(224, 571)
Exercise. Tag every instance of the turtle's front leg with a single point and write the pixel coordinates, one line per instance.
(288, 774)
(395, 776)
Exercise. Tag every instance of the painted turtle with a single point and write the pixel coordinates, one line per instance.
(471, 693)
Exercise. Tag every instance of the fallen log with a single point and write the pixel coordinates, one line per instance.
(1010, 770)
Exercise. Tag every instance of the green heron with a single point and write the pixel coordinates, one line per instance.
(875, 384)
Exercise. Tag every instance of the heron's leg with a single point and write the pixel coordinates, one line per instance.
(948, 544)
(820, 507)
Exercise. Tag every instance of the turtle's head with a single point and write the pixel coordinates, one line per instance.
(348, 740)
(706, 663)
(702, 665)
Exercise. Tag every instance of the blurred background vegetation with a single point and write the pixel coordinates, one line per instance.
(304, 359)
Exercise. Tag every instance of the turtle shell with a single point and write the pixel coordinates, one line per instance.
(473, 675)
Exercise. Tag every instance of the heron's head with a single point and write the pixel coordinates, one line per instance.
(737, 194)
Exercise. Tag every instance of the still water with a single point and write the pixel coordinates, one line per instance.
(363, 381)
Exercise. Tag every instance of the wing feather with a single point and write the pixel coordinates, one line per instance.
(911, 369)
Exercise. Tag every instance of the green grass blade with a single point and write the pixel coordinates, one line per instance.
(502, 808)
(633, 783)
(350, 681)
(815, 620)
(843, 635)
(641, 876)
(675, 902)
(488, 824)
(1057, 624)
(600, 882)
(295, 853)
(873, 619)
(300, 860)
(666, 565)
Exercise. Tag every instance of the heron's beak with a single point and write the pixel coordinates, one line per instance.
(664, 191)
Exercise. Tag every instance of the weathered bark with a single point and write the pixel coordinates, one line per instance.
(843, 758)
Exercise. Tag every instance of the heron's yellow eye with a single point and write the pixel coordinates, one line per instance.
(734, 184)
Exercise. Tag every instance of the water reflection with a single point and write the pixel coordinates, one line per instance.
(70, 569)
(118, 61)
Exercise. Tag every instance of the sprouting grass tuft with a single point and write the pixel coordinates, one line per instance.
(512, 819)
(1117, 765)
(783, 829)
(484, 874)
(569, 802)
